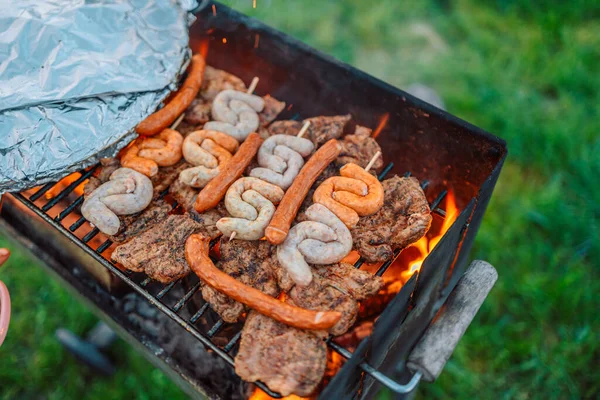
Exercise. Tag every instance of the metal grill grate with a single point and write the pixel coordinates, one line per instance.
(156, 300)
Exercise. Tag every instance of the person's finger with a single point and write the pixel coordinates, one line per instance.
(4, 254)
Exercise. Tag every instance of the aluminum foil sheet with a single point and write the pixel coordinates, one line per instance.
(76, 77)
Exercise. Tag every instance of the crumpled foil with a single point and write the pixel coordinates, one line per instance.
(77, 76)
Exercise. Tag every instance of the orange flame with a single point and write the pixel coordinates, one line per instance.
(63, 183)
(382, 123)
(426, 244)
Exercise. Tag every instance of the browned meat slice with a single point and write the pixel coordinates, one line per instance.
(216, 80)
(198, 113)
(337, 287)
(404, 218)
(348, 279)
(287, 127)
(166, 176)
(135, 224)
(183, 194)
(321, 128)
(286, 359)
(250, 263)
(322, 295)
(272, 109)
(359, 148)
(209, 219)
(159, 252)
(331, 170)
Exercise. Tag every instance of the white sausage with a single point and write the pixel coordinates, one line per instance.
(323, 239)
(235, 113)
(127, 192)
(249, 229)
(281, 157)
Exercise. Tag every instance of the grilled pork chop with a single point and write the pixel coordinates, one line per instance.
(337, 287)
(321, 128)
(286, 359)
(404, 218)
(249, 262)
(159, 252)
(359, 148)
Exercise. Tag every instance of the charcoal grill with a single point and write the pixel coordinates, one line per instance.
(442, 151)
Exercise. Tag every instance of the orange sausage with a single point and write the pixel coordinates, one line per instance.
(164, 117)
(131, 159)
(325, 195)
(214, 191)
(196, 254)
(279, 227)
(363, 205)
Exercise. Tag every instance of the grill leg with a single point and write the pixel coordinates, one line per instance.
(90, 349)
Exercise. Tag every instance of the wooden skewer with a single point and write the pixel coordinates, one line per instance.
(253, 85)
(233, 234)
(304, 129)
(370, 164)
(178, 121)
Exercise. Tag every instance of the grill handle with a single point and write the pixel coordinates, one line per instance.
(437, 344)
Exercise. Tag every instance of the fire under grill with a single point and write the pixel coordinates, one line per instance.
(457, 164)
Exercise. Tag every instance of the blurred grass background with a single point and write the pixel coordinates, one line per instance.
(528, 71)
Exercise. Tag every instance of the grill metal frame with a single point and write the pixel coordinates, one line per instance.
(155, 300)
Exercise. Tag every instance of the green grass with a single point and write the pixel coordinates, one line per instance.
(524, 70)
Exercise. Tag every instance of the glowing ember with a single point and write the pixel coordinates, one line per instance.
(382, 123)
(426, 244)
(256, 40)
(224, 40)
(214, 9)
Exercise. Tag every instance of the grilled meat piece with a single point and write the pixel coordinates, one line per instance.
(286, 359)
(272, 109)
(217, 80)
(345, 277)
(321, 128)
(166, 176)
(135, 224)
(250, 262)
(209, 219)
(404, 218)
(159, 252)
(183, 194)
(359, 148)
(198, 113)
(321, 295)
(337, 287)
(287, 127)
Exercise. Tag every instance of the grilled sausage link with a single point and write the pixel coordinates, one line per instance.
(214, 191)
(164, 117)
(251, 202)
(127, 192)
(323, 239)
(280, 158)
(208, 151)
(355, 193)
(279, 227)
(235, 113)
(196, 254)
